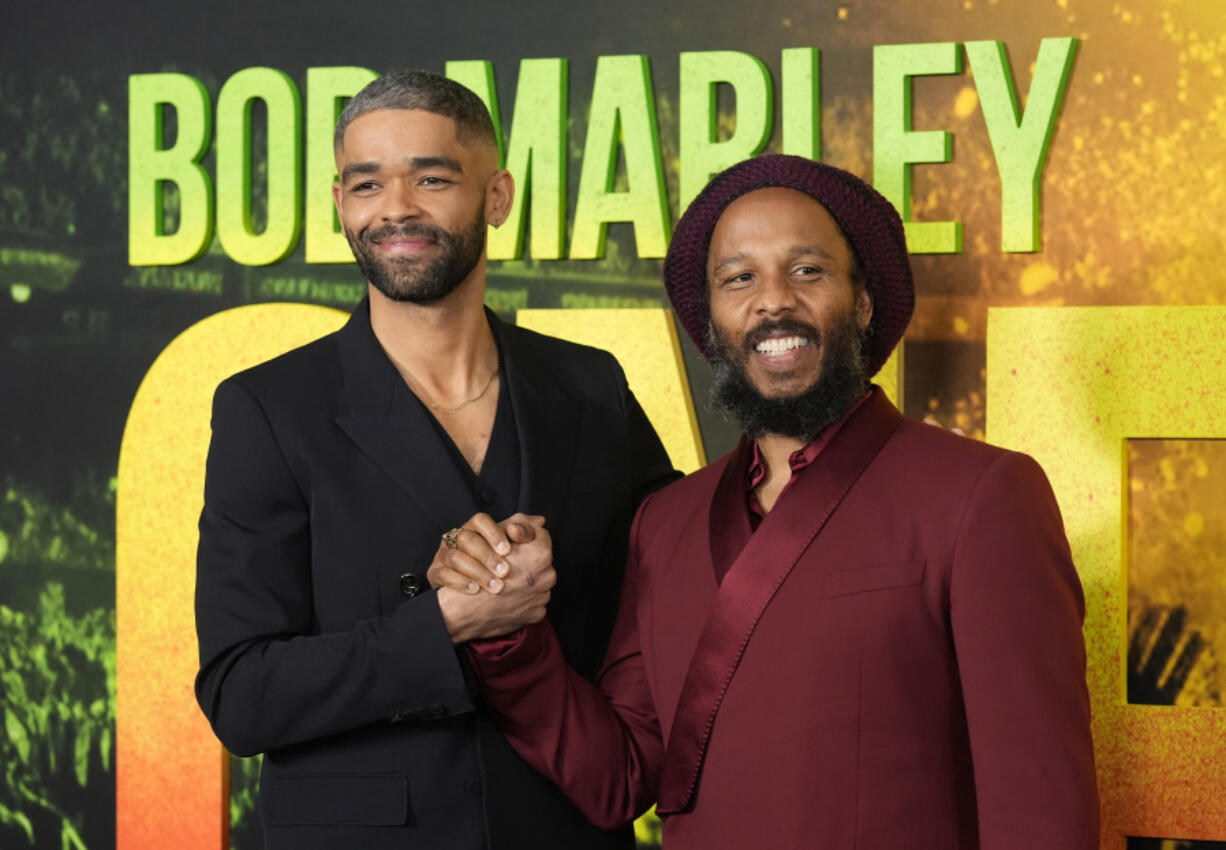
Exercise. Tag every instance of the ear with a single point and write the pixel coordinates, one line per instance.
(864, 307)
(336, 197)
(499, 195)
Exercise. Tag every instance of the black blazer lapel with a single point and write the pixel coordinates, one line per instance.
(547, 419)
(382, 416)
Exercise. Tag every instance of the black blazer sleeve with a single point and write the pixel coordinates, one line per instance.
(267, 677)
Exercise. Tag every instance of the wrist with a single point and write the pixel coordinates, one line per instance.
(456, 612)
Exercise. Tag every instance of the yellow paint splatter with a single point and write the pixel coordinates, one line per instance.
(961, 326)
(966, 102)
(1036, 277)
(842, 13)
(1193, 524)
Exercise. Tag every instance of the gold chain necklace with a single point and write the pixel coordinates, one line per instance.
(440, 409)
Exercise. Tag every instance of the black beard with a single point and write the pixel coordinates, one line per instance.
(402, 278)
(843, 379)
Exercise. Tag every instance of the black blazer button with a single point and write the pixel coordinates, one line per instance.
(412, 584)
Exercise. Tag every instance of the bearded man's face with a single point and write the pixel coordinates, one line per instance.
(425, 276)
(787, 317)
(412, 202)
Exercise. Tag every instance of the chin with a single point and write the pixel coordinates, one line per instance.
(781, 386)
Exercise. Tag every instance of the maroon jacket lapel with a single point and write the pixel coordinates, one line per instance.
(730, 530)
(752, 581)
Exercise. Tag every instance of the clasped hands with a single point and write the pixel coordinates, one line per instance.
(496, 579)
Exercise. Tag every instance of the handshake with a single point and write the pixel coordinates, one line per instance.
(493, 577)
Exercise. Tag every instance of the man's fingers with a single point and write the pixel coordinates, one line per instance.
(480, 539)
(519, 532)
(447, 577)
(547, 578)
(489, 531)
(474, 570)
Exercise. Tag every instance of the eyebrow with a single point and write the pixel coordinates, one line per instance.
(801, 250)
(416, 163)
(794, 251)
(436, 162)
(727, 261)
(359, 168)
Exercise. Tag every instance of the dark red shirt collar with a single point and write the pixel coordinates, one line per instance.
(799, 459)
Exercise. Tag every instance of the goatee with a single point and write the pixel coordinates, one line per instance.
(842, 380)
(413, 278)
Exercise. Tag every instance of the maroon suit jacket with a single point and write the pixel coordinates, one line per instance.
(893, 660)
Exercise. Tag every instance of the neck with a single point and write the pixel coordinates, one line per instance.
(444, 351)
(776, 451)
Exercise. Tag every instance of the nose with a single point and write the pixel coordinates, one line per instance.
(774, 295)
(400, 202)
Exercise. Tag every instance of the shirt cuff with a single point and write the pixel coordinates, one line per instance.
(494, 649)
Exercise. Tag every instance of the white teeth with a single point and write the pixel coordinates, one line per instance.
(780, 345)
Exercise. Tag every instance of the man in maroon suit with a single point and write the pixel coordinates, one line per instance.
(854, 630)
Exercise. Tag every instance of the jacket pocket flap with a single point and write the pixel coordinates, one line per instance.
(359, 799)
(874, 577)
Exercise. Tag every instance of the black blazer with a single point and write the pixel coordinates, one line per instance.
(326, 481)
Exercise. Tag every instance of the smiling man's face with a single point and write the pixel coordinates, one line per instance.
(786, 314)
(412, 202)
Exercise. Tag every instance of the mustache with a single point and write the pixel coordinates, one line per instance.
(411, 230)
(770, 327)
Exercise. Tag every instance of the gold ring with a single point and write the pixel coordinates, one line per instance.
(449, 537)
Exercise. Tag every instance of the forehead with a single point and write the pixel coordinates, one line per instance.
(775, 217)
(388, 134)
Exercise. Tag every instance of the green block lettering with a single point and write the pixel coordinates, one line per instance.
(536, 157)
(235, 229)
(478, 75)
(702, 153)
(150, 166)
(326, 91)
(622, 115)
(1020, 142)
(801, 96)
(896, 146)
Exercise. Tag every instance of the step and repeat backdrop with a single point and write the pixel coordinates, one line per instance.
(166, 219)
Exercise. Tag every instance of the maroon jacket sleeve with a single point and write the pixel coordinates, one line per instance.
(600, 743)
(1016, 609)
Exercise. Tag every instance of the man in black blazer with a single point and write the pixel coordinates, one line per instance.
(333, 471)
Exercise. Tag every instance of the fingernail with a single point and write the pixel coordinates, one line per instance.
(503, 547)
(495, 585)
(472, 587)
(501, 568)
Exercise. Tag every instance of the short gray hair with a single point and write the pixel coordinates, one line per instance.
(410, 88)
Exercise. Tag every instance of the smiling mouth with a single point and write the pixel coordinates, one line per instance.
(404, 246)
(780, 345)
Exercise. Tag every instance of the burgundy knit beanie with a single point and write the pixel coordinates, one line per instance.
(869, 223)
